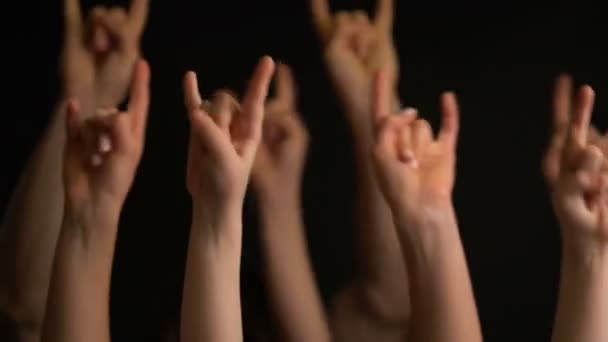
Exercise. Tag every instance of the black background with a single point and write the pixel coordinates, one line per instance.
(501, 57)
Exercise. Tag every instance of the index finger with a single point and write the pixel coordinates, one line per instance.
(285, 85)
(449, 119)
(139, 100)
(72, 17)
(322, 17)
(562, 104)
(138, 14)
(385, 11)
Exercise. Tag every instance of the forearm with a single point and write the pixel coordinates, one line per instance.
(583, 298)
(443, 305)
(290, 278)
(211, 305)
(382, 277)
(78, 304)
(30, 230)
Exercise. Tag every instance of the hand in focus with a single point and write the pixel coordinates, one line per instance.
(100, 52)
(224, 138)
(279, 163)
(97, 177)
(580, 190)
(416, 170)
(563, 97)
(355, 49)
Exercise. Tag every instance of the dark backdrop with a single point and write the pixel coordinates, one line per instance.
(500, 57)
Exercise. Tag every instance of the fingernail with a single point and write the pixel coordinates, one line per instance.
(105, 144)
(409, 111)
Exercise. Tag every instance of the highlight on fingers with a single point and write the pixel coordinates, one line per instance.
(72, 119)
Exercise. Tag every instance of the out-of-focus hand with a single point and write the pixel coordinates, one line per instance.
(279, 163)
(580, 189)
(99, 53)
(416, 170)
(224, 138)
(563, 96)
(97, 177)
(355, 49)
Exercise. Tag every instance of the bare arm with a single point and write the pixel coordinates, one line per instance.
(583, 296)
(32, 223)
(291, 282)
(575, 171)
(219, 165)
(96, 186)
(276, 177)
(31, 226)
(78, 308)
(416, 170)
(443, 305)
(377, 302)
(211, 306)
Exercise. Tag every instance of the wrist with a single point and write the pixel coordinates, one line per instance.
(584, 255)
(93, 229)
(279, 199)
(219, 226)
(430, 227)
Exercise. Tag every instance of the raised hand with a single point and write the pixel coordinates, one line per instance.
(99, 53)
(224, 139)
(563, 97)
(92, 179)
(355, 48)
(280, 159)
(580, 189)
(416, 169)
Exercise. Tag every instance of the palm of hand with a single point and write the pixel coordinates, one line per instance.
(575, 163)
(212, 177)
(224, 139)
(580, 193)
(356, 48)
(415, 169)
(415, 176)
(99, 54)
(282, 150)
(94, 177)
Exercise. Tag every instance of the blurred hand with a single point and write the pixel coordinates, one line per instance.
(95, 179)
(279, 163)
(224, 139)
(416, 170)
(580, 190)
(355, 49)
(562, 111)
(99, 53)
